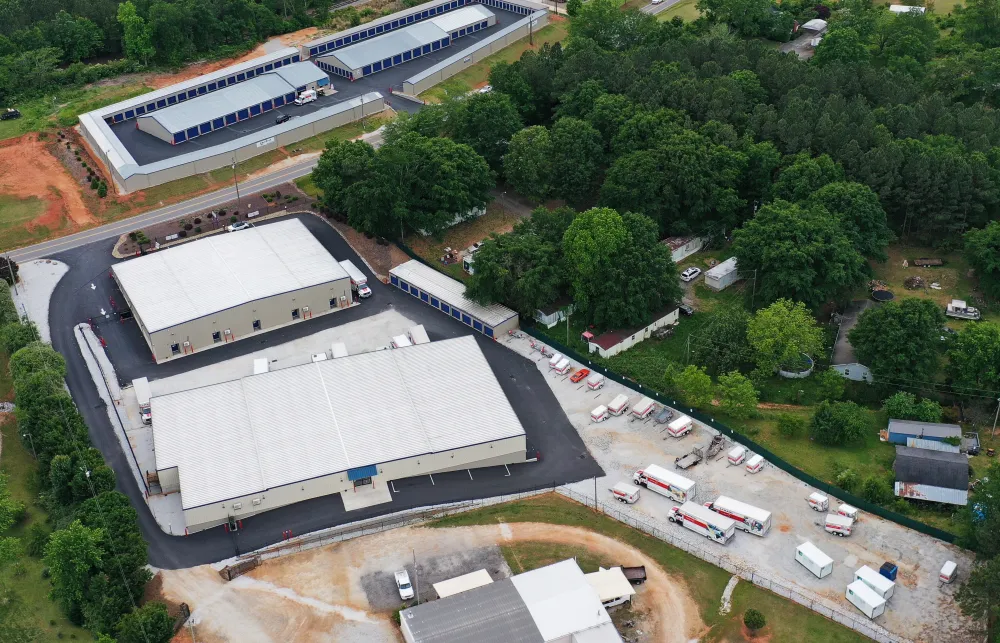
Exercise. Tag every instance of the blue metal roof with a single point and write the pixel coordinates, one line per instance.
(362, 472)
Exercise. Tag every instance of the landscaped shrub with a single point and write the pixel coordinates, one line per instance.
(753, 619)
(182, 234)
(188, 226)
(197, 220)
(233, 219)
(94, 183)
(197, 230)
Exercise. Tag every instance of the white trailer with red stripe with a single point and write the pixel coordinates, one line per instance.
(703, 521)
(750, 519)
(644, 408)
(665, 483)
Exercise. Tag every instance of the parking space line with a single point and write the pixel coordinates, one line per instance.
(470, 474)
(432, 479)
(393, 486)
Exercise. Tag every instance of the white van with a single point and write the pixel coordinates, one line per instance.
(818, 502)
(595, 382)
(599, 414)
(624, 492)
(879, 583)
(838, 525)
(865, 599)
(680, 426)
(755, 464)
(737, 455)
(307, 96)
(810, 557)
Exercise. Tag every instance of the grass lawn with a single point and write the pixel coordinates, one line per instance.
(474, 76)
(26, 579)
(307, 185)
(62, 109)
(787, 621)
(686, 10)
(344, 132)
(15, 213)
(524, 557)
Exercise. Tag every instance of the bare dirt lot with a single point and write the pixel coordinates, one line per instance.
(329, 593)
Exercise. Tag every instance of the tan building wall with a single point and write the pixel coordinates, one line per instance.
(272, 312)
(500, 452)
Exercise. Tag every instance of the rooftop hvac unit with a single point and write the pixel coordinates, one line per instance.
(237, 505)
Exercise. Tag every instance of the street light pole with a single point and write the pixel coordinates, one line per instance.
(238, 204)
(32, 442)
(995, 418)
(10, 270)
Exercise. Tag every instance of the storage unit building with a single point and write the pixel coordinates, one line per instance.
(227, 287)
(937, 476)
(243, 101)
(900, 430)
(400, 46)
(448, 296)
(723, 275)
(261, 442)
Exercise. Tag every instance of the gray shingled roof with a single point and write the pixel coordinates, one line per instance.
(925, 429)
(933, 468)
(494, 613)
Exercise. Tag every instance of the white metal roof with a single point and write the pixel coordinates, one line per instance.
(865, 593)
(450, 291)
(461, 18)
(723, 269)
(902, 8)
(300, 74)
(196, 279)
(560, 600)
(245, 436)
(610, 583)
(388, 45)
(873, 579)
(813, 553)
(462, 583)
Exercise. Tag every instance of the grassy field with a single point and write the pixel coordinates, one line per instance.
(524, 557)
(686, 10)
(25, 577)
(787, 621)
(15, 213)
(61, 109)
(468, 79)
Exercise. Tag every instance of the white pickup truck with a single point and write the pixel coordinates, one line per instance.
(403, 585)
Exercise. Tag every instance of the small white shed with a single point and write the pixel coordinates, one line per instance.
(723, 275)
(865, 599)
(810, 557)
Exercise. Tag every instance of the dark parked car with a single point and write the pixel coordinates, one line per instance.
(685, 309)
(281, 118)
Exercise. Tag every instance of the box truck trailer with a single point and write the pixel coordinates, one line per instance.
(879, 583)
(619, 405)
(644, 408)
(750, 519)
(359, 282)
(838, 525)
(555, 359)
(599, 414)
(818, 502)
(703, 521)
(666, 483)
(595, 382)
(948, 572)
(755, 464)
(865, 599)
(624, 492)
(680, 426)
(737, 455)
(563, 366)
(141, 387)
(810, 557)
(849, 511)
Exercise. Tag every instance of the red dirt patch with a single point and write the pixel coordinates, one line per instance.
(784, 528)
(762, 636)
(28, 169)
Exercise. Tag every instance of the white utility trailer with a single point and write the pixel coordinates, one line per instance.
(624, 492)
(680, 426)
(619, 405)
(643, 408)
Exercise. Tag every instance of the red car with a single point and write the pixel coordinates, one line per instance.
(579, 375)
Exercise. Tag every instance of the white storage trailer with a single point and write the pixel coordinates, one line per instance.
(703, 521)
(666, 483)
(755, 463)
(750, 519)
(563, 367)
(839, 525)
(595, 382)
(818, 502)
(418, 335)
(555, 359)
(879, 583)
(680, 426)
(141, 387)
(624, 492)
(619, 405)
(865, 599)
(948, 572)
(737, 454)
(644, 408)
(810, 557)
(599, 414)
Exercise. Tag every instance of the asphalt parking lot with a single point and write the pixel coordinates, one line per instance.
(146, 148)
(88, 289)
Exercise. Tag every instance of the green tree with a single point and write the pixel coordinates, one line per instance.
(72, 554)
(749, 17)
(904, 406)
(982, 250)
(899, 340)
(619, 271)
(738, 395)
(35, 357)
(137, 35)
(693, 386)
(723, 345)
(148, 624)
(781, 333)
(76, 37)
(341, 165)
(791, 426)
(754, 620)
(797, 252)
(829, 384)
(982, 516)
(604, 22)
(974, 360)
(842, 46)
(486, 123)
(102, 190)
(979, 596)
(876, 490)
(979, 22)
(526, 164)
(14, 337)
(804, 176)
(577, 153)
(839, 423)
(573, 7)
(861, 215)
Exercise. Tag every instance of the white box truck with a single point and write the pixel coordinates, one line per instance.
(666, 483)
(619, 405)
(703, 521)
(737, 455)
(865, 599)
(418, 335)
(401, 341)
(810, 557)
(595, 382)
(624, 492)
(755, 464)
(260, 366)
(680, 426)
(359, 282)
(141, 387)
(338, 350)
(879, 583)
(644, 408)
(838, 525)
(750, 519)
(307, 96)
(599, 414)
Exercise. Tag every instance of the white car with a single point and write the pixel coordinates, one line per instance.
(239, 225)
(364, 291)
(403, 585)
(690, 274)
(656, 1)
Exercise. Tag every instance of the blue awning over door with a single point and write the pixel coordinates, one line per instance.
(362, 472)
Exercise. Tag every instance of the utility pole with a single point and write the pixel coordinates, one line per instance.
(32, 442)
(416, 575)
(10, 269)
(238, 205)
(687, 360)
(567, 325)
(995, 418)
(753, 292)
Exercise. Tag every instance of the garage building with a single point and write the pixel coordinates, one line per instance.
(238, 448)
(225, 107)
(381, 52)
(448, 296)
(230, 286)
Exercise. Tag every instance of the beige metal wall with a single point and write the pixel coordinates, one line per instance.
(152, 127)
(273, 312)
(471, 56)
(507, 451)
(144, 179)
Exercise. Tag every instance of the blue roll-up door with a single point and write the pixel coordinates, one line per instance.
(313, 51)
(426, 49)
(407, 55)
(360, 473)
(179, 137)
(150, 107)
(161, 103)
(241, 77)
(367, 69)
(477, 325)
(445, 308)
(488, 331)
(193, 92)
(230, 119)
(192, 132)
(394, 280)
(423, 297)
(295, 58)
(289, 97)
(435, 302)
(255, 110)
(456, 313)
(279, 101)
(204, 128)
(466, 320)
(405, 287)
(213, 86)
(267, 105)
(171, 100)
(140, 110)
(414, 291)
(181, 98)
(130, 113)
(377, 66)
(397, 59)
(218, 123)
(202, 90)
(268, 67)
(242, 114)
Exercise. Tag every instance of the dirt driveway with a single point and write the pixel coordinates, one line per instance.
(319, 595)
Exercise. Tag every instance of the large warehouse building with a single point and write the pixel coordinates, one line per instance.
(265, 441)
(448, 296)
(397, 47)
(230, 286)
(225, 107)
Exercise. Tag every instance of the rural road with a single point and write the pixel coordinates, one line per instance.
(194, 205)
(653, 9)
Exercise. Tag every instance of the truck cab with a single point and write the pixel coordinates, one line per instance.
(307, 96)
